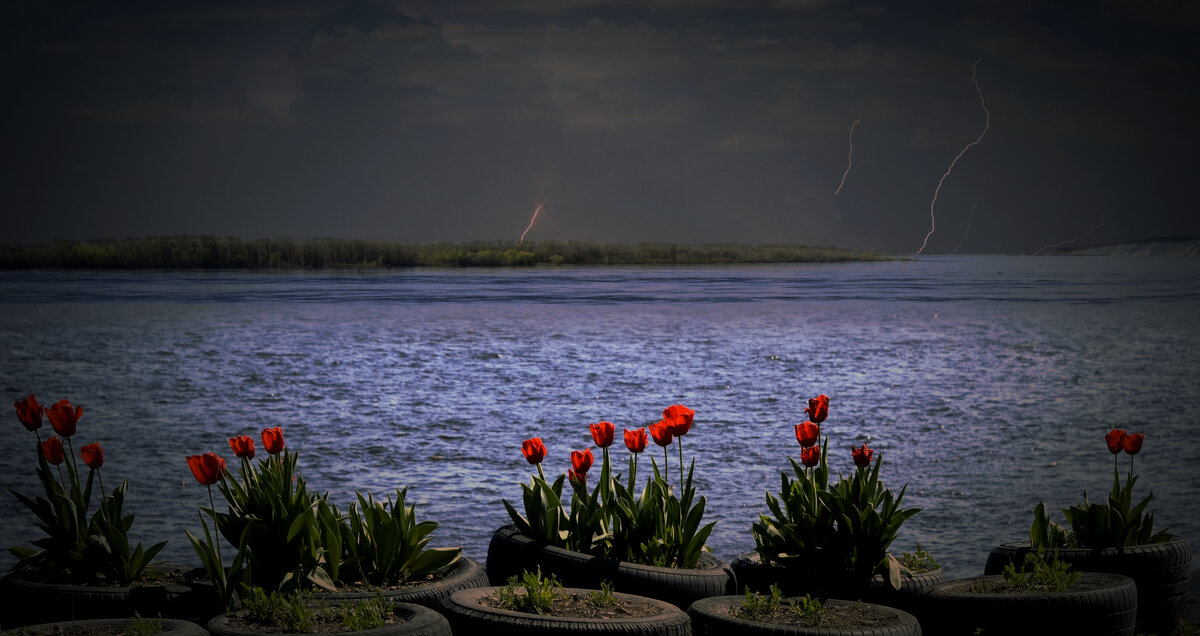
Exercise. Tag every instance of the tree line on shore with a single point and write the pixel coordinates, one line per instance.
(209, 252)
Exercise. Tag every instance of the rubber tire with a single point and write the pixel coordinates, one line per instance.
(463, 574)
(176, 627)
(26, 601)
(750, 572)
(711, 617)
(467, 616)
(511, 553)
(422, 621)
(1161, 571)
(1108, 610)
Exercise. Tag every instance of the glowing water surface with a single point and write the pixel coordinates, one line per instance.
(986, 382)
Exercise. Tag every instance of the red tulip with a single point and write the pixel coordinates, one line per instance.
(818, 408)
(680, 419)
(862, 456)
(242, 446)
(581, 460)
(273, 440)
(29, 412)
(1114, 439)
(661, 432)
(810, 456)
(534, 450)
(52, 450)
(807, 434)
(1132, 443)
(207, 468)
(577, 477)
(602, 434)
(93, 455)
(635, 440)
(62, 418)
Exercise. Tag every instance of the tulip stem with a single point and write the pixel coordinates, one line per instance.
(216, 533)
(102, 488)
(75, 468)
(680, 438)
(666, 466)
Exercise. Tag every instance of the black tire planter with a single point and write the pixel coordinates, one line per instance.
(467, 616)
(463, 574)
(66, 628)
(1101, 604)
(711, 617)
(1160, 570)
(511, 553)
(174, 626)
(420, 621)
(750, 572)
(27, 601)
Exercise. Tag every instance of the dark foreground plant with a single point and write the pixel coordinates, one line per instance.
(1042, 572)
(78, 547)
(539, 593)
(1116, 523)
(660, 525)
(272, 512)
(838, 533)
(379, 542)
(919, 560)
(756, 607)
(291, 538)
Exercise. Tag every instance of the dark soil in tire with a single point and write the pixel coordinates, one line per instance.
(711, 617)
(511, 553)
(1100, 605)
(467, 616)
(1160, 570)
(420, 621)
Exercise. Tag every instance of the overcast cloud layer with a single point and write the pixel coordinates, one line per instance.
(634, 121)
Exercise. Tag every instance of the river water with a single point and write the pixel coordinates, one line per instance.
(987, 382)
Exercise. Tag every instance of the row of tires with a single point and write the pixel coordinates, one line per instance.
(461, 613)
(1106, 604)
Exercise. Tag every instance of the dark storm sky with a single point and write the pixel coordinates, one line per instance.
(665, 120)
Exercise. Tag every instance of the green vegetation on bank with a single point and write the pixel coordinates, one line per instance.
(209, 252)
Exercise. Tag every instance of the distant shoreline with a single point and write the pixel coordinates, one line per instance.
(209, 252)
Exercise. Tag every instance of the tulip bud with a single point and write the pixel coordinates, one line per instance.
(862, 456)
(807, 434)
(602, 434)
(534, 450)
(1132, 443)
(1114, 439)
(93, 455)
(273, 440)
(635, 440)
(581, 460)
(680, 419)
(818, 408)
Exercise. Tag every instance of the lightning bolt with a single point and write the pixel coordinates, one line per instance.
(536, 211)
(970, 218)
(849, 160)
(987, 124)
(1061, 243)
